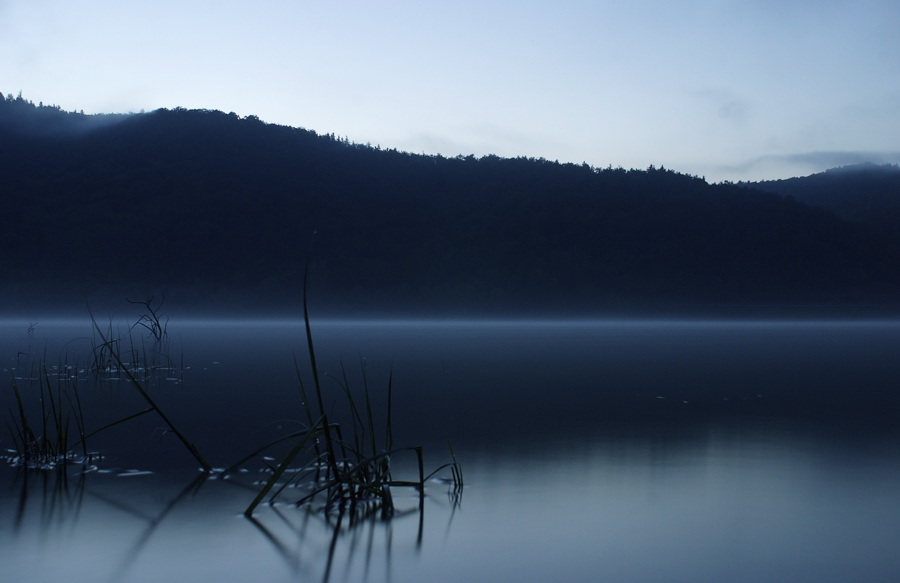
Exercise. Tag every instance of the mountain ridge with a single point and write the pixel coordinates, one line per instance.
(211, 207)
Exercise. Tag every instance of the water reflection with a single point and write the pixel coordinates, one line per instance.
(152, 522)
(354, 535)
(617, 451)
(53, 495)
(53, 501)
(95, 524)
(720, 504)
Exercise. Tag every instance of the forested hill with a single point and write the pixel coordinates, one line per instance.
(867, 194)
(214, 208)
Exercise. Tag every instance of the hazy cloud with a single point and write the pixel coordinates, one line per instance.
(480, 140)
(726, 105)
(430, 143)
(803, 163)
(50, 121)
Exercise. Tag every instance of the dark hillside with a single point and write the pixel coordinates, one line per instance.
(866, 194)
(214, 208)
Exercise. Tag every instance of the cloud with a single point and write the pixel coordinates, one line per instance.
(24, 118)
(483, 139)
(802, 163)
(727, 105)
(432, 143)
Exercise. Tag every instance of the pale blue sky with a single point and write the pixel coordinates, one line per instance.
(727, 89)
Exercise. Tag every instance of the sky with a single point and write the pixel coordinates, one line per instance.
(724, 89)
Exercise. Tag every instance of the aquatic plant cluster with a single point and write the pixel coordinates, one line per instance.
(57, 435)
(343, 470)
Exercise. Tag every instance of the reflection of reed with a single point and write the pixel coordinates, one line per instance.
(58, 500)
(339, 525)
(454, 495)
(152, 521)
(355, 521)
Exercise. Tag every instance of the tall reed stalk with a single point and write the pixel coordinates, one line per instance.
(352, 472)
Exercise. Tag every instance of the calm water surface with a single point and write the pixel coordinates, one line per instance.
(592, 451)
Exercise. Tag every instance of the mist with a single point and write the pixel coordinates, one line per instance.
(24, 119)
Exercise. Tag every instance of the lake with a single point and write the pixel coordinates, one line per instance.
(595, 450)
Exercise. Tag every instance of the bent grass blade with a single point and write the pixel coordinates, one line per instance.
(207, 468)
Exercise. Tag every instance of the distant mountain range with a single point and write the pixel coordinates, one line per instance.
(214, 209)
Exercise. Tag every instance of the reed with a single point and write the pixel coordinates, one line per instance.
(152, 320)
(348, 465)
(60, 427)
(110, 347)
(47, 439)
(353, 470)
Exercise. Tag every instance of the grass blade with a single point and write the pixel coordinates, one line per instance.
(143, 393)
(285, 463)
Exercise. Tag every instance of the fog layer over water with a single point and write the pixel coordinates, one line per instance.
(617, 450)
